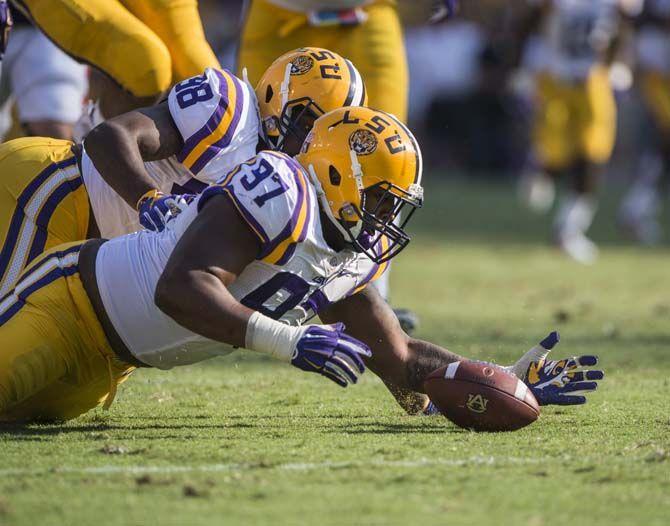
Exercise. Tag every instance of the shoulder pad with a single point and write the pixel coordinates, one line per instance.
(273, 195)
(213, 113)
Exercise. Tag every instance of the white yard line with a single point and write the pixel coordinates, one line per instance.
(291, 466)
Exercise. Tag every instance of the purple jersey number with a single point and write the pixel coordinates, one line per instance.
(193, 90)
(293, 287)
(263, 171)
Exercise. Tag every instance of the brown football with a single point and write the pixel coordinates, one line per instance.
(481, 397)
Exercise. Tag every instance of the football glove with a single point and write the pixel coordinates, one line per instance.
(443, 9)
(156, 210)
(327, 350)
(6, 24)
(557, 382)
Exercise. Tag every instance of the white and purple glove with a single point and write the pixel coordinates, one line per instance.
(557, 382)
(443, 9)
(157, 211)
(552, 382)
(327, 350)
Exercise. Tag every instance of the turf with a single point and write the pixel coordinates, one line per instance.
(242, 440)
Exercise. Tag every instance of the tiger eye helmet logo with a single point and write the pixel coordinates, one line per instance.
(363, 142)
(301, 64)
(476, 403)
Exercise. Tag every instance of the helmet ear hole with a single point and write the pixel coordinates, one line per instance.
(334, 175)
(268, 94)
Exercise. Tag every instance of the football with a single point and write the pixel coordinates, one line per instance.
(481, 397)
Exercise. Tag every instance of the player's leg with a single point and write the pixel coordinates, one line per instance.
(43, 202)
(57, 363)
(106, 35)
(178, 24)
(377, 49)
(268, 32)
(553, 145)
(48, 86)
(556, 143)
(31, 359)
(595, 128)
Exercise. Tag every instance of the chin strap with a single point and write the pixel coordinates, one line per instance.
(285, 86)
(356, 171)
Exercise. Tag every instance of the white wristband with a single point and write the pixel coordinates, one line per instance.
(271, 337)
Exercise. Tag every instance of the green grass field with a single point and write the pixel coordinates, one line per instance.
(242, 440)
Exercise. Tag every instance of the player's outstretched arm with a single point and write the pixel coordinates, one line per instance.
(193, 290)
(120, 146)
(400, 361)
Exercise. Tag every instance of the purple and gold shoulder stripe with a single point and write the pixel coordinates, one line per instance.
(226, 188)
(280, 250)
(219, 130)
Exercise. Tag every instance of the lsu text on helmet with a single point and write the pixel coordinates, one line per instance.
(299, 87)
(366, 166)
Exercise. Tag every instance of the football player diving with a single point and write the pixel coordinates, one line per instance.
(247, 263)
(56, 192)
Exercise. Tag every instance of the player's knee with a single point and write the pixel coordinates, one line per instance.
(148, 70)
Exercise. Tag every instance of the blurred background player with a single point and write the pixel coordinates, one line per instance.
(367, 32)
(39, 84)
(575, 114)
(143, 47)
(639, 211)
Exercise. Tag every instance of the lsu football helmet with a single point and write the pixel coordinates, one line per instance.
(309, 82)
(366, 167)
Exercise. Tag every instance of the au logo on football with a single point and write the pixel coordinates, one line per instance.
(476, 403)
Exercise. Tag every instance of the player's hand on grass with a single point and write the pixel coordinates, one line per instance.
(327, 350)
(557, 382)
(156, 211)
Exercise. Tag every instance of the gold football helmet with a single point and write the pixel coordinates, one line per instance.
(302, 85)
(366, 166)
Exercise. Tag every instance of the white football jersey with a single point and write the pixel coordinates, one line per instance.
(295, 275)
(217, 116)
(576, 34)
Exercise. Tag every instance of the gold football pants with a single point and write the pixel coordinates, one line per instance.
(375, 47)
(55, 361)
(43, 203)
(144, 45)
(574, 121)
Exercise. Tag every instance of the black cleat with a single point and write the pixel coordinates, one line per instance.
(409, 321)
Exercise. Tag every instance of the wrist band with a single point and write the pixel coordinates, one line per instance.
(271, 337)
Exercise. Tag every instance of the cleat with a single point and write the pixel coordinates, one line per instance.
(409, 321)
